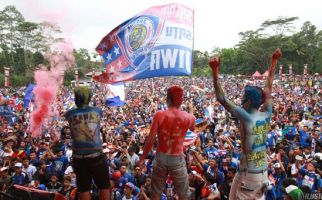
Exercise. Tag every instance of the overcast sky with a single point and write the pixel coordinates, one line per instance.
(217, 23)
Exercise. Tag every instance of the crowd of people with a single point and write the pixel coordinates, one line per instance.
(293, 143)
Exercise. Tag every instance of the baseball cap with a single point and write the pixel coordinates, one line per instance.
(298, 157)
(116, 175)
(18, 165)
(277, 165)
(318, 155)
(294, 192)
(130, 185)
(42, 187)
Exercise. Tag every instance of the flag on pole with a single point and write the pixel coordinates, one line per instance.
(157, 42)
(116, 96)
(28, 95)
(190, 138)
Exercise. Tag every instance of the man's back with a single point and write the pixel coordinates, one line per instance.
(85, 125)
(172, 127)
(254, 136)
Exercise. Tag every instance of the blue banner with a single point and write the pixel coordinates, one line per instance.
(28, 95)
(157, 42)
(7, 113)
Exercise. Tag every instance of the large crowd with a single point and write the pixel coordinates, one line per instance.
(44, 162)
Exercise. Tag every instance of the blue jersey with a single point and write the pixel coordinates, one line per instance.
(85, 130)
(20, 179)
(303, 138)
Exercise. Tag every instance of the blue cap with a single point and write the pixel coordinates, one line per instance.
(42, 187)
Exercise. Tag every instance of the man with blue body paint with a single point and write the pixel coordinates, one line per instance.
(251, 180)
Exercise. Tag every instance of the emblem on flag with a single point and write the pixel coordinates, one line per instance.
(157, 42)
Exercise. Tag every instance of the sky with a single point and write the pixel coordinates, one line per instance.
(217, 23)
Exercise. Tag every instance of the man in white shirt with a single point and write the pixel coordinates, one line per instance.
(134, 159)
(30, 170)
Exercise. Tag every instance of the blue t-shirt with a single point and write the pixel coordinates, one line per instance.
(211, 152)
(291, 133)
(303, 138)
(279, 178)
(219, 176)
(20, 179)
(60, 165)
(85, 130)
(271, 138)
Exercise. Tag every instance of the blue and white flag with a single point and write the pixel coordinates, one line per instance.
(116, 95)
(209, 112)
(190, 138)
(157, 42)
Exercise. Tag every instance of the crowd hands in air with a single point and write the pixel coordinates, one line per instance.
(293, 142)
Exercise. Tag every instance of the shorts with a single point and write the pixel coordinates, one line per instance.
(175, 166)
(249, 186)
(87, 169)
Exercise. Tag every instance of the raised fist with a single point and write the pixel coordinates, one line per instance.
(214, 62)
(277, 54)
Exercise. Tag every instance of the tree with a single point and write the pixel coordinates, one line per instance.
(280, 26)
(10, 19)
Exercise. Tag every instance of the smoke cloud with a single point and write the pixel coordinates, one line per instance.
(48, 82)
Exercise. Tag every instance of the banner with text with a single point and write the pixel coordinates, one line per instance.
(157, 42)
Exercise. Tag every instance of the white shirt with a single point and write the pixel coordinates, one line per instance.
(30, 171)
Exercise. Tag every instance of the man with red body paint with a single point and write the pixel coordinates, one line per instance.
(170, 127)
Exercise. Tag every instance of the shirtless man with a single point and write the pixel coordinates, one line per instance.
(251, 180)
(170, 127)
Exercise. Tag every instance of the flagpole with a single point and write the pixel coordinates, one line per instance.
(193, 39)
(152, 85)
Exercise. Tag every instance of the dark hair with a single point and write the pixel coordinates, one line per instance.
(130, 149)
(83, 96)
(289, 181)
(67, 178)
(232, 169)
(210, 178)
(305, 189)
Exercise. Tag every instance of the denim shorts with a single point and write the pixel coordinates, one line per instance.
(172, 165)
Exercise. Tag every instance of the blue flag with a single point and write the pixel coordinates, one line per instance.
(28, 95)
(114, 101)
(157, 42)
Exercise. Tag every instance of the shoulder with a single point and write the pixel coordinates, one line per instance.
(95, 109)
(159, 114)
(69, 112)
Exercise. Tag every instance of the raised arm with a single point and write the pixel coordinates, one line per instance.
(220, 95)
(267, 106)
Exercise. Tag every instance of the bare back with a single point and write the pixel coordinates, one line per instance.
(173, 125)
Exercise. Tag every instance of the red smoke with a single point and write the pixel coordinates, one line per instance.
(60, 57)
(47, 84)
